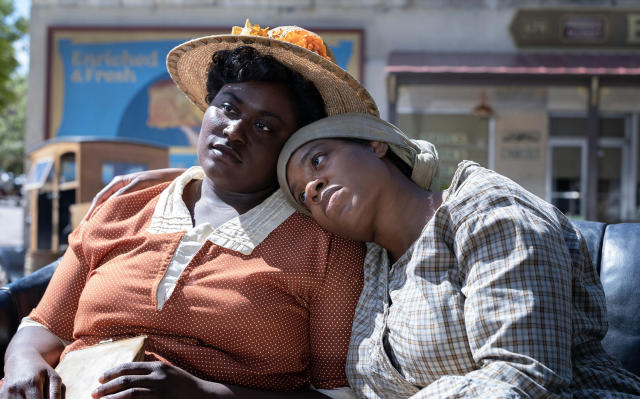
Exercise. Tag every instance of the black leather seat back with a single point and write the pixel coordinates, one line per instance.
(620, 276)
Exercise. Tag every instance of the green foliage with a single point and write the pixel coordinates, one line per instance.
(12, 123)
(11, 30)
(13, 90)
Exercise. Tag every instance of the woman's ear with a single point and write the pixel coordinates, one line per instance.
(379, 148)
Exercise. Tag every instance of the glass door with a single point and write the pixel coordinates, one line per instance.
(567, 180)
(567, 170)
(610, 161)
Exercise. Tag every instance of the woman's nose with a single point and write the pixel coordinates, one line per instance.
(234, 130)
(313, 190)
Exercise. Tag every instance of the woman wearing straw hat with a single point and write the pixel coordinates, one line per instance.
(237, 294)
(482, 291)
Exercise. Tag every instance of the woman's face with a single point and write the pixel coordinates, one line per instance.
(338, 182)
(242, 133)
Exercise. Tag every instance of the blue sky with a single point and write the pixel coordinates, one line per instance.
(22, 7)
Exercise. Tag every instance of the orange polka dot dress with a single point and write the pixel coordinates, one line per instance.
(276, 317)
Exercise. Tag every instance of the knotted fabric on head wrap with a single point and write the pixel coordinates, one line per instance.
(425, 169)
(420, 155)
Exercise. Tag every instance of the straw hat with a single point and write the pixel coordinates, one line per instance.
(189, 64)
(420, 155)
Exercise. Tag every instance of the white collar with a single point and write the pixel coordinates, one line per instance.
(243, 233)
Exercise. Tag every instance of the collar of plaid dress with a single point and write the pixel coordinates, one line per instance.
(420, 155)
(299, 49)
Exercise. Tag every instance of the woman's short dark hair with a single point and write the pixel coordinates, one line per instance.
(245, 64)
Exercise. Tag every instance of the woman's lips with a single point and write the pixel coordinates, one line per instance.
(329, 198)
(227, 151)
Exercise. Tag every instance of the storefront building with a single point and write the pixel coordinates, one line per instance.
(545, 92)
(563, 123)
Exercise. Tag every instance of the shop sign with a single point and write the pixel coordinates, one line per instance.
(113, 83)
(576, 28)
(520, 145)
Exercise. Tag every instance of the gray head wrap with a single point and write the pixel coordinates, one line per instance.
(420, 155)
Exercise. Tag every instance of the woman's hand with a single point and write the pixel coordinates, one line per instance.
(149, 380)
(133, 182)
(161, 380)
(30, 377)
(28, 365)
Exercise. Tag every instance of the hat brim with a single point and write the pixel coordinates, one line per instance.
(189, 63)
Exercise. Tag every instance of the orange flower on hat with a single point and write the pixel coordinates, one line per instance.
(249, 29)
(290, 34)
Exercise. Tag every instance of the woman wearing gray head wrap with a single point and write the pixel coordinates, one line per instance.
(483, 291)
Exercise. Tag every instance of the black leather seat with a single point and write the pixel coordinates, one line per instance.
(619, 269)
(614, 250)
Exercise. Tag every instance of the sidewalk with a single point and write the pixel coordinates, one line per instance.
(11, 224)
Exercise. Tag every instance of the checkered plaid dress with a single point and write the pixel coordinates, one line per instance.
(496, 299)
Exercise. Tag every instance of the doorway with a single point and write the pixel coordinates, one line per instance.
(567, 170)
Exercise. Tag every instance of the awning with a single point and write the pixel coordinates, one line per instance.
(565, 64)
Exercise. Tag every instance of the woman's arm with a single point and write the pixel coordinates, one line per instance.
(29, 361)
(516, 275)
(160, 380)
(34, 350)
(331, 311)
(133, 182)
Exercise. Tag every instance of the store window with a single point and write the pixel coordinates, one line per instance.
(40, 174)
(113, 169)
(67, 167)
(456, 137)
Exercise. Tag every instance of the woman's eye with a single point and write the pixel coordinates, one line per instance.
(316, 160)
(226, 107)
(302, 197)
(263, 127)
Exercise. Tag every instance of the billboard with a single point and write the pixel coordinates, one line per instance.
(113, 82)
